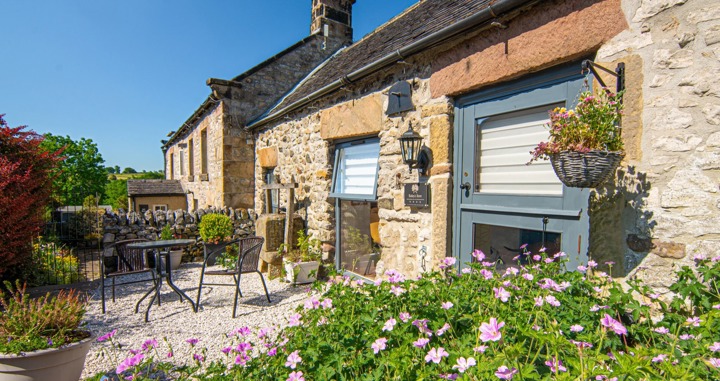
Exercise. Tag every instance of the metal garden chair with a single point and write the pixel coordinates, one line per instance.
(248, 260)
(124, 261)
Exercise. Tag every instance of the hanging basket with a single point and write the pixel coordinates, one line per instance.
(585, 170)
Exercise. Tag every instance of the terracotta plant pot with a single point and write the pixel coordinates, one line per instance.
(57, 364)
(300, 272)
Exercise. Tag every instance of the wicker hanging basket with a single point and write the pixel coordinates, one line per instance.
(585, 170)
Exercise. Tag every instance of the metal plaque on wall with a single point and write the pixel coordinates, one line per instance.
(417, 194)
(399, 98)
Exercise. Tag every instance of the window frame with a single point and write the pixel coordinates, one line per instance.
(333, 184)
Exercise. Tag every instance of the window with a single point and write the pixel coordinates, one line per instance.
(354, 187)
(182, 163)
(274, 193)
(203, 152)
(172, 166)
(160, 207)
(356, 166)
(191, 159)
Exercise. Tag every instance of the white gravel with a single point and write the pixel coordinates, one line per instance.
(176, 322)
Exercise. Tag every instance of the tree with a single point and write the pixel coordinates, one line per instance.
(129, 170)
(110, 170)
(25, 187)
(151, 175)
(80, 173)
(116, 194)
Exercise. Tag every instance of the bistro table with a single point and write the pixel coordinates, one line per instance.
(162, 256)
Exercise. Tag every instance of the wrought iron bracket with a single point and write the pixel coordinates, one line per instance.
(619, 73)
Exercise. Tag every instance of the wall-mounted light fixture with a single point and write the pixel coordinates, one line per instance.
(414, 153)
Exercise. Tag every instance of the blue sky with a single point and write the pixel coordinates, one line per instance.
(125, 73)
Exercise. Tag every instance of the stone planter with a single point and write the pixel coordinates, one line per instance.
(301, 272)
(57, 364)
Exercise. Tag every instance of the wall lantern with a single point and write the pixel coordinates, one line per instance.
(414, 153)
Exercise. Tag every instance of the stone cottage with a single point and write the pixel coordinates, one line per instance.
(475, 79)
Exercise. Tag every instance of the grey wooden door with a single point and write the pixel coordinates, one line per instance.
(500, 203)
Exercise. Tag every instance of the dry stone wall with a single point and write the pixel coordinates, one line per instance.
(121, 226)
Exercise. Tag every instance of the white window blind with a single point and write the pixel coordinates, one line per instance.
(504, 145)
(356, 169)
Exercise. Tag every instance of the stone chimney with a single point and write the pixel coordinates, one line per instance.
(333, 18)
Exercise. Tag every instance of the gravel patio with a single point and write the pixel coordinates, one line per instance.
(176, 321)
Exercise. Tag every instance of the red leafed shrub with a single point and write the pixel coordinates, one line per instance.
(25, 188)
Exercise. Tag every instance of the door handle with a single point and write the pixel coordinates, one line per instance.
(465, 186)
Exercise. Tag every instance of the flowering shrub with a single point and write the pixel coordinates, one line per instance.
(53, 263)
(532, 322)
(593, 125)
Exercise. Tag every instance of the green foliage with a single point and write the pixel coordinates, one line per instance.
(593, 125)
(53, 264)
(129, 170)
(116, 194)
(46, 322)
(307, 249)
(110, 170)
(157, 175)
(215, 228)
(532, 322)
(166, 232)
(80, 173)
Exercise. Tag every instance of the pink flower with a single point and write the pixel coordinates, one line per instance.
(466, 270)
(394, 276)
(480, 349)
(582, 268)
(242, 359)
(198, 357)
(296, 376)
(421, 342)
(149, 344)
(536, 258)
(551, 300)
(491, 331)
(539, 301)
(487, 274)
(404, 316)
(660, 358)
(312, 303)
(447, 262)
(592, 264)
(528, 276)
(661, 330)
(389, 324)
(504, 373)
(613, 324)
(511, 271)
(107, 336)
(294, 320)
(581, 344)
(715, 347)
(326, 303)
(687, 336)
(694, 321)
(576, 328)
(714, 362)
(397, 291)
(447, 305)
(436, 355)
(129, 363)
(242, 331)
(555, 365)
(443, 329)
(478, 255)
(379, 345)
(463, 364)
(192, 342)
(501, 293)
(293, 359)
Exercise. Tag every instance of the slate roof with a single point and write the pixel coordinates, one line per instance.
(417, 22)
(154, 187)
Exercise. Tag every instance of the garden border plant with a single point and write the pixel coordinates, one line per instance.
(532, 322)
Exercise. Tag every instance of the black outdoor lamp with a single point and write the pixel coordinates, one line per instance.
(414, 154)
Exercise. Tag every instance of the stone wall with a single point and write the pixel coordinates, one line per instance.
(121, 226)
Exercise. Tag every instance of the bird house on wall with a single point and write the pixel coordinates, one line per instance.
(399, 98)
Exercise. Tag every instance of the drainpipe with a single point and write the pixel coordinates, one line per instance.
(491, 12)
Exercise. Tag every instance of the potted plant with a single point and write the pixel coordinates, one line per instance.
(175, 253)
(585, 145)
(302, 262)
(42, 339)
(214, 229)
